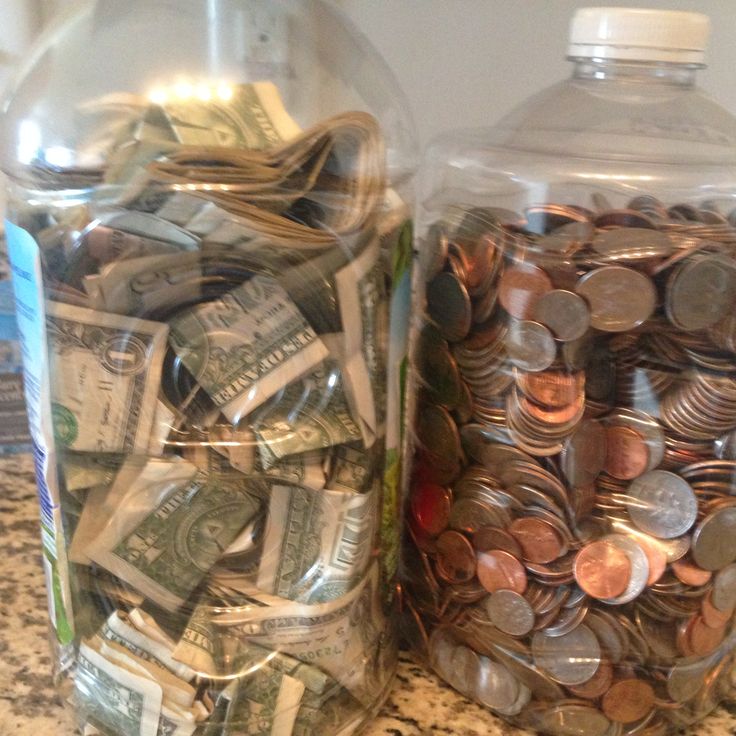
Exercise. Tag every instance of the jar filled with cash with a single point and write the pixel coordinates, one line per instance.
(570, 539)
(208, 231)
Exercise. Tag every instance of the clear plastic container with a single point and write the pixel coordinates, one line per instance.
(570, 555)
(208, 230)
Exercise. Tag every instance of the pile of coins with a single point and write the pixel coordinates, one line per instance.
(570, 553)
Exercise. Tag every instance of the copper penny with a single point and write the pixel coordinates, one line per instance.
(656, 556)
(430, 507)
(628, 454)
(598, 685)
(704, 639)
(602, 570)
(539, 539)
(628, 701)
(519, 289)
(488, 538)
(499, 570)
(553, 389)
(711, 615)
(686, 571)
(455, 558)
(554, 416)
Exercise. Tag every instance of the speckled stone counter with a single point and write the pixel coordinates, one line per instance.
(418, 706)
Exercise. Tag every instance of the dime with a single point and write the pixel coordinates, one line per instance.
(430, 507)
(530, 346)
(498, 570)
(520, 288)
(539, 540)
(602, 570)
(628, 701)
(510, 612)
(620, 298)
(449, 307)
(662, 504)
(564, 313)
(714, 540)
(455, 558)
(627, 455)
(570, 659)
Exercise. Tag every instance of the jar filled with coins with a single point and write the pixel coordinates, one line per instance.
(208, 229)
(570, 541)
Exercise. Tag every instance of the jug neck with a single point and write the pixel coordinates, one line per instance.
(646, 72)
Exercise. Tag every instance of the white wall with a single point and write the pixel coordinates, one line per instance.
(468, 62)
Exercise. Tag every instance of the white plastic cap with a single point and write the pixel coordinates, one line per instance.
(639, 34)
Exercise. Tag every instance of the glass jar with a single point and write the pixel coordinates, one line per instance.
(570, 555)
(208, 229)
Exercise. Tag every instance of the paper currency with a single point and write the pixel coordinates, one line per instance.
(167, 535)
(107, 372)
(317, 544)
(244, 347)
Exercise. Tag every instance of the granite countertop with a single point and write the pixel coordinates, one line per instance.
(419, 705)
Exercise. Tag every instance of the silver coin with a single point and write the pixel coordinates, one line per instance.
(495, 687)
(632, 243)
(530, 346)
(465, 670)
(566, 314)
(573, 720)
(685, 679)
(662, 504)
(700, 292)
(714, 540)
(723, 593)
(449, 306)
(639, 568)
(570, 659)
(510, 612)
(620, 298)
(521, 702)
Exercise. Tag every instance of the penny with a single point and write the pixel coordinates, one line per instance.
(656, 554)
(624, 218)
(619, 298)
(637, 582)
(530, 346)
(449, 307)
(498, 570)
(628, 701)
(430, 506)
(538, 539)
(598, 685)
(439, 439)
(552, 388)
(520, 288)
(700, 292)
(689, 573)
(724, 589)
(704, 639)
(662, 504)
(566, 314)
(488, 538)
(602, 570)
(583, 457)
(546, 218)
(455, 557)
(433, 251)
(510, 612)
(570, 659)
(714, 540)
(627, 454)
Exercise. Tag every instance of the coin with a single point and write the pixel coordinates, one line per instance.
(430, 506)
(510, 612)
(628, 701)
(530, 346)
(566, 314)
(455, 557)
(520, 288)
(583, 456)
(714, 540)
(598, 685)
(724, 589)
(552, 388)
(570, 659)
(700, 292)
(632, 243)
(488, 538)
(705, 639)
(639, 568)
(602, 570)
(498, 570)
(449, 307)
(619, 298)
(538, 539)
(689, 573)
(662, 504)
(573, 720)
(495, 686)
(627, 454)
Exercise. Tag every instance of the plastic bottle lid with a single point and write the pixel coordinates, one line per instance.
(639, 34)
